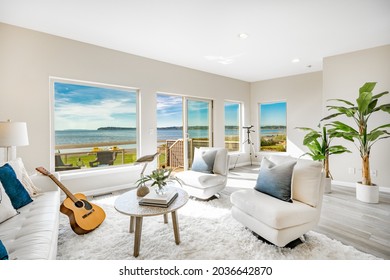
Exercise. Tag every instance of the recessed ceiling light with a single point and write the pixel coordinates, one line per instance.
(243, 35)
(295, 60)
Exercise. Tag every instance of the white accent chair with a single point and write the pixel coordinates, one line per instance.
(206, 185)
(277, 221)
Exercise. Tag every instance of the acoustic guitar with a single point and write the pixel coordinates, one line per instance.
(83, 216)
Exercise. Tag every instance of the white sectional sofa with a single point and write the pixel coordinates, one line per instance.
(33, 233)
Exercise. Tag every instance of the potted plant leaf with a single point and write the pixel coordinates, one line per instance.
(159, 177)
(319, 144)
(363, 138)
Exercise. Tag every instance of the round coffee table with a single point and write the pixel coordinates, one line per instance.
(127, 204)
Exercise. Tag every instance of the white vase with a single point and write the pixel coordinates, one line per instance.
(328, 185)
(365, 193)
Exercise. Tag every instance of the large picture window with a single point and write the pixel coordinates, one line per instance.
(94, 125)
(273, 132)
(232, 126)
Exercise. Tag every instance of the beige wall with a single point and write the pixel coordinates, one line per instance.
(29, 58)
(343, 75)
(303, 94)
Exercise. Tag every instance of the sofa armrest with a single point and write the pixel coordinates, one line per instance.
(44, 183)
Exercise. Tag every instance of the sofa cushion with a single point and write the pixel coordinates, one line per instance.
(33, 234)
(272, 212)
(22, 175)
(13, 187)
(6, 209)
(200, 180)
(203, 160)
(275, 179)
(306, 181)
(3, 252)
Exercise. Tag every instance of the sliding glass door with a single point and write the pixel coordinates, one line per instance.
(182, 124)
(199, 125)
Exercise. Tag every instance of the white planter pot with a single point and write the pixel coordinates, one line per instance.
(328, 185)
(369, 194)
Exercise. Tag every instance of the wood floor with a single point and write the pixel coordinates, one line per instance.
(361, 225)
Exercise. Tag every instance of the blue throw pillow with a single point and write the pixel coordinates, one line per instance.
(3, 252)
(275, 180)
(203, 160)
(16, 192)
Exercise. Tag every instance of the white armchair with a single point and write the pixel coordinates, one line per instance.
(278, 221)
(208, 174)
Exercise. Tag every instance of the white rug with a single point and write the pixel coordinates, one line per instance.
(207, 231)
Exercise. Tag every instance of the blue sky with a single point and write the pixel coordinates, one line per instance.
(273, 113)
(232, 113)
(90, 107)
(170, 111)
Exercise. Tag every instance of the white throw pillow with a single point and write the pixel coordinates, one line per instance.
(306, 181)
(6, 209)
(221, 158)
(22, 175)
(278, 159)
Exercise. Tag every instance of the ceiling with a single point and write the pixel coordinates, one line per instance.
(204, 34)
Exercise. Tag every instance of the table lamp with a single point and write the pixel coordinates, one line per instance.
(12, 134)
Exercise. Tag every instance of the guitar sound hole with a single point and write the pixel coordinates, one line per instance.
(87, 205)
(79, 204)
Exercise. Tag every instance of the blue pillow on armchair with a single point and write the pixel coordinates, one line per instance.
(275, 180)
(13, 187)
(3, 252)
(203, 160)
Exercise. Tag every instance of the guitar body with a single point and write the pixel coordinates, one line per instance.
(83, 215)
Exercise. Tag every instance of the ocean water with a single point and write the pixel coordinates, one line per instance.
(64, 137)
(270, 132)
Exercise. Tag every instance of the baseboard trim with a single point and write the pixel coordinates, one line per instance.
(352, 185)
(103, 191)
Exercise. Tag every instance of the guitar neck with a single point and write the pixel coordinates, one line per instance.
(63, 188)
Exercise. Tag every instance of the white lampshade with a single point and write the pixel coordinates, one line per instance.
(13, 134)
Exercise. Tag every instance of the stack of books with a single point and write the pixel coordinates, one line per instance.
(158, 200)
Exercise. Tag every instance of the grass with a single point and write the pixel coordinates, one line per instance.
(274, 143)
(84, 160)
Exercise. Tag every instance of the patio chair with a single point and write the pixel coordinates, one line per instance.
(61, 166)
(103, 158)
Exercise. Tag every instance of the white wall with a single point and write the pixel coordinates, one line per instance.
(29, 58)
(303, 94)
(343, 75)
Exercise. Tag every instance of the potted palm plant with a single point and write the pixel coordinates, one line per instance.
(366, 105)
(320, 147)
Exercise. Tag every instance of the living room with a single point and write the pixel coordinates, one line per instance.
(30, 57)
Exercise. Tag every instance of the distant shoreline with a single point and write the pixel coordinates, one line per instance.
(134, 128)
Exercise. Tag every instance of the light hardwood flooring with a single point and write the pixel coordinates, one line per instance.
(361, 225)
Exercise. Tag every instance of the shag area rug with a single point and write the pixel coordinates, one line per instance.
(207, 232)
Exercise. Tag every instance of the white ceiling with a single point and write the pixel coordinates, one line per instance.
(203, 34)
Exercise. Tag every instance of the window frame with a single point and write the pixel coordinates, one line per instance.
(52, 145)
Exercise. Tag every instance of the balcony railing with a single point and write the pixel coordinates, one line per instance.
(75, 156)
